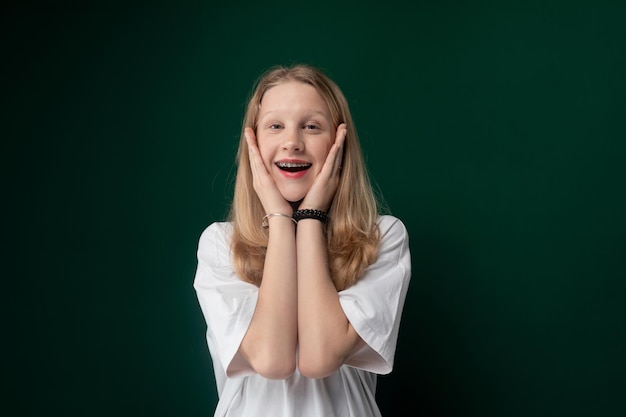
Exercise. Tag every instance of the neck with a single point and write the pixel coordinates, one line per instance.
(295, 204)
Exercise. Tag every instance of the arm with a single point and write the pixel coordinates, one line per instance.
(270, 342)
(325, 336)
(269, 345)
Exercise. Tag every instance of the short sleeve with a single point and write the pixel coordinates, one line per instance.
(374, 304)
(226, 301)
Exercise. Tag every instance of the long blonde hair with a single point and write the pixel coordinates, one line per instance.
(352, 233)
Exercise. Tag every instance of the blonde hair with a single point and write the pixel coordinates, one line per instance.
(352, 232)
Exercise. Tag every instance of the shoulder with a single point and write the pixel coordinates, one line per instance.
(389, 224)
(394, 239)
(216, 230)
(214, 242)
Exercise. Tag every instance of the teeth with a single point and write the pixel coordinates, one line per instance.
(292, 165)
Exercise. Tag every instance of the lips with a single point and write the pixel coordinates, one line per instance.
(289, 166)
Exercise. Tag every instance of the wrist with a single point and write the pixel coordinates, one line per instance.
(304, 214)
(265, 221)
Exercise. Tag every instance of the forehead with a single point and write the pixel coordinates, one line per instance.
(293, 97)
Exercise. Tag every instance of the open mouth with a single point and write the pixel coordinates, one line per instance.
(293, 166)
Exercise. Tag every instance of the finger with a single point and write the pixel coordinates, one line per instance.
(333, 159)
(250, 138)
(253, 149)
(254, 155)
(340, 134)
(339, 142)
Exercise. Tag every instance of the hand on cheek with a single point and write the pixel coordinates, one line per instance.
(263, 183)
(323, 190)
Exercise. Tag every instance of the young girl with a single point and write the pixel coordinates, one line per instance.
(303, 287)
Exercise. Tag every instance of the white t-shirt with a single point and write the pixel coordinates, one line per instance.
(373, 306)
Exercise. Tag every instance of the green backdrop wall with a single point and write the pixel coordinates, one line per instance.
(495, 131)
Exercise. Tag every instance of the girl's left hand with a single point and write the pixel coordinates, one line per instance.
(325, 185)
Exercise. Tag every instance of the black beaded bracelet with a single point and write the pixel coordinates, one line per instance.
(311, 214)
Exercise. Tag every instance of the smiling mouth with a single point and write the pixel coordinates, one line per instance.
(293, 166)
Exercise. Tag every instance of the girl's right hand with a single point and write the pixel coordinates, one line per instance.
(263, 183)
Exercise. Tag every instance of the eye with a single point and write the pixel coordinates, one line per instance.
(311, 126)
(274, 126)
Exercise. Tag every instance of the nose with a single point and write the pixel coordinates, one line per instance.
(293, 141)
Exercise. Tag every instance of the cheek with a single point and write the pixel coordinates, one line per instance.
(266, 155)
(323, 153)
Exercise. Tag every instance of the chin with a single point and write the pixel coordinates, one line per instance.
(292, 196)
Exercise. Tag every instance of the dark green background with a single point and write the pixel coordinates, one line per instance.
(495, 131)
